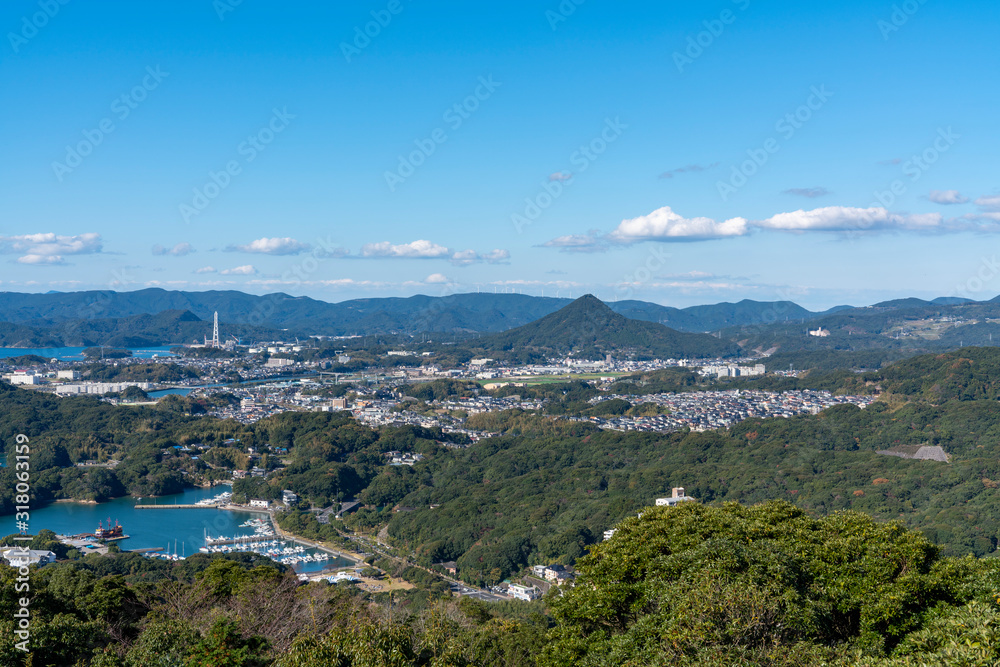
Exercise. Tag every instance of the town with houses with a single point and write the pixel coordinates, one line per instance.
(258, 383)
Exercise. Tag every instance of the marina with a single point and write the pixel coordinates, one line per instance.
(284, 550)
(196, 516)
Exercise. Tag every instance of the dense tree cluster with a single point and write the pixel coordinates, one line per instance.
(692, 585)
(770, 585)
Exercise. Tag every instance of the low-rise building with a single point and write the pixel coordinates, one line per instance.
(263, 504)
(527, 593)
(99, 388)
(677, 496)
(23, 377)
(17, 557)
(450, 566)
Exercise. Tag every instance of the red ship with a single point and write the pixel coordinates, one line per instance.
(109, 533)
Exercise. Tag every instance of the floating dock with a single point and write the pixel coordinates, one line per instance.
(242, 539)
(176, 507)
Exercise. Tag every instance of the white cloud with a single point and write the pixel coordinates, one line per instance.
(416, 250)
(271, 246)
(846, 218)
(466, 257)
(245, 270)
(437, 279)
(49, 248)
(560, 176)
(333, 253)
(576, 243)
(947, 197)
(41, 259)
(665, 225)
(179, 250)
(337, 283)
(690, 275)
(206, 269)
(497, 256)
(687, 286)
(989, 203)
(521, 283)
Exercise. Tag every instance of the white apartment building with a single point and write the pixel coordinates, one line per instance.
(23, 377)
(677, 496)
(527, 593)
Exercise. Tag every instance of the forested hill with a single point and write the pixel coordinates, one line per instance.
(161, 328)
(755, 324)
(910, 325)
(589, 329)
(472, 312)
(966, 374)
(692, 586)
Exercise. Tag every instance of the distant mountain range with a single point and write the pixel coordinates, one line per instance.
(170, 326)
(456, 313)
(904, 324)
(154, 315)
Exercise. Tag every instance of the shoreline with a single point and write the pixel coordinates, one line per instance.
(109, 500)
(356, 559)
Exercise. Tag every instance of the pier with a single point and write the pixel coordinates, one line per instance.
(176, 507)
(242, 539)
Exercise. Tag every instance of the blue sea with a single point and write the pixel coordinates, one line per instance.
(180, 531)
(76, 353)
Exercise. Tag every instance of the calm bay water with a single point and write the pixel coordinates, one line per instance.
(164, 392)
(76, 353)
(165, 528)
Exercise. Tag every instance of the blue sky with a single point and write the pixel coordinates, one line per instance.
(680, 153)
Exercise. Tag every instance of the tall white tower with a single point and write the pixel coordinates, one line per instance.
(215, 331)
